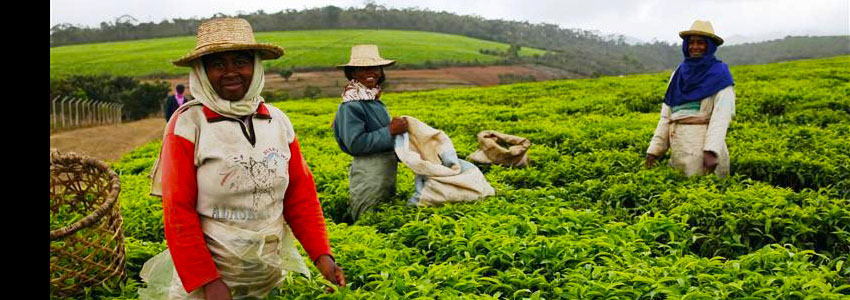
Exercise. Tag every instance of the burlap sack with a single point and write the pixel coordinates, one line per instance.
(490, 152)
(422, 149)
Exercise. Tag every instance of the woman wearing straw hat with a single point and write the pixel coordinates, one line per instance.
(698, 107)
(235, 189)
(363, 129)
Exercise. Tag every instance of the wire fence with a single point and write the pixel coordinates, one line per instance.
(71, 112)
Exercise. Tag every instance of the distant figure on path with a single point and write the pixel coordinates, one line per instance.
(698, 107)
(174, 101)
(363, 129)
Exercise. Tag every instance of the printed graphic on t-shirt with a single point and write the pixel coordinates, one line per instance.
(238, 214)
(244, 173)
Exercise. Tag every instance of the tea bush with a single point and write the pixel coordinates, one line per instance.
(585, 220)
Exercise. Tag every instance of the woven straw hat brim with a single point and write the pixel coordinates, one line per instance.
(267, 51)
(368, 63)
(714, 37)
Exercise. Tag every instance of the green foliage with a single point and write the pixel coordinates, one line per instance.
(286, 73)
(305, 50)
(312, 92)
(274, 96)
(585, 220)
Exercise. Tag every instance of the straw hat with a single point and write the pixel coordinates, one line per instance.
(703, 28)
(227, 34)
(366, 56)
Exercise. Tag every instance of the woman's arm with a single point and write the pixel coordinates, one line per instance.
(721, 116)
(352, 121)
(301, 207)
(183, 233)
(660, 141)
(302, 211)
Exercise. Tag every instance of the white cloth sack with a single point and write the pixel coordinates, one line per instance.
(430, 153)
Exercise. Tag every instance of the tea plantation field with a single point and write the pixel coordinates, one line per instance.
(308, 48)
(586, 220)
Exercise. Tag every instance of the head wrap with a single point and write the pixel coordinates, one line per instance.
(697, 77)
(203, 91)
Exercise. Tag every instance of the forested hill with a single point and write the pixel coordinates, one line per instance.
(789, 48)
(576, 50)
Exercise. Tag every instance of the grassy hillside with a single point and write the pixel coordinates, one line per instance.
(304, 49)
(585, 220)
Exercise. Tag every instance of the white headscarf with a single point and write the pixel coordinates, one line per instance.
(203, 91)
(356, 91)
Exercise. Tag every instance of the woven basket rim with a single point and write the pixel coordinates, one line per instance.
(98, 213)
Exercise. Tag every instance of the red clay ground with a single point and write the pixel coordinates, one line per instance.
(331, 82)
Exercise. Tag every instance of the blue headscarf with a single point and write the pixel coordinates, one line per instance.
(698, 77)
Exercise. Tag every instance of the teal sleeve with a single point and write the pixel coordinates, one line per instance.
(353, 133)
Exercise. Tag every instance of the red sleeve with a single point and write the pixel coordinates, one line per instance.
(301, 207)
(183, 232)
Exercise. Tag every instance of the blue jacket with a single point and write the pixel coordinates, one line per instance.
(362, 127)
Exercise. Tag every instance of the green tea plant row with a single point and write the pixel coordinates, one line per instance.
(585, 220)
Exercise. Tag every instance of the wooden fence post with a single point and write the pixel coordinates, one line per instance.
(94, 112)
(77, 112)
(71, 107)
(97, 112)
(87, 112)
(83, 107)
(71, 112)
(114, 109)
(100, 117)
(62, 107)
(53, 112)
(109, 113)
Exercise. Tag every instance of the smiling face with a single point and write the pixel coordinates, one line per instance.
(696, 46)
(230, 73)
(368, 76)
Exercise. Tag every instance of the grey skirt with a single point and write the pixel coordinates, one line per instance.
(371, 179)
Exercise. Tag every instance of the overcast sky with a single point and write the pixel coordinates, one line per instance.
(645, 19)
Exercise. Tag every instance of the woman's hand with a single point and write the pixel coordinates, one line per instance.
(650, 160)
(398, 126)
(709, 161)
(330, 271)
(216, 290)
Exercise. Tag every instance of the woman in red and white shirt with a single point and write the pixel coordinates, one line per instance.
(234, 185)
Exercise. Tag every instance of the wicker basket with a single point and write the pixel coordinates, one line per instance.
(89, 250)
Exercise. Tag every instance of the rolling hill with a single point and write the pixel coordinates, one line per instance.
(309, 49)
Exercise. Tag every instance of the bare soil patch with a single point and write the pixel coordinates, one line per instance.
(331, 82)
(109, 142)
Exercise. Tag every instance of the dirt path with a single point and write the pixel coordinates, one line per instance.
(109, 142)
